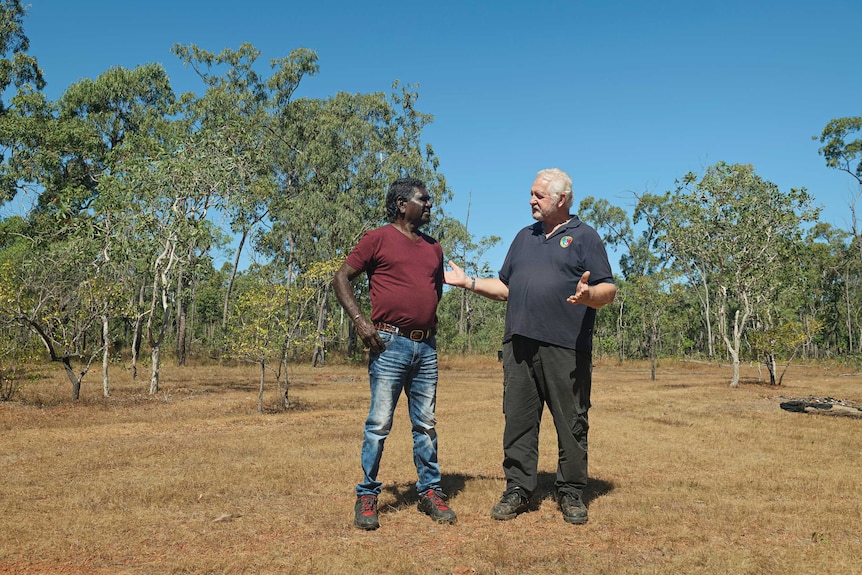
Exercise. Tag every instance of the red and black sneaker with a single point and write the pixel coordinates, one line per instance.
(365, 512)
(433, 503)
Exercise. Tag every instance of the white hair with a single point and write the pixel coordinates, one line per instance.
(559, 182)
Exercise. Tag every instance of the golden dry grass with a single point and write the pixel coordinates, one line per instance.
(687, 476)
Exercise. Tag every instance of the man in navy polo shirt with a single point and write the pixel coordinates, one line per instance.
(405, 275)
(554, 278)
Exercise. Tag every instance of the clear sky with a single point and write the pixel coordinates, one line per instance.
(626, 96)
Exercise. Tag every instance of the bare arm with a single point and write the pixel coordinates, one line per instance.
(596, 296)
(344, 292)
(491, 288)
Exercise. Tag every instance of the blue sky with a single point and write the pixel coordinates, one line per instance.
(626, 96)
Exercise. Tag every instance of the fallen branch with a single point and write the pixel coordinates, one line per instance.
(823, 406)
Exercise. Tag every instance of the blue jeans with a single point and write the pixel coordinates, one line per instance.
(410, 366)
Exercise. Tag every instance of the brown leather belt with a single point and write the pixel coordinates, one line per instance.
(414, 334)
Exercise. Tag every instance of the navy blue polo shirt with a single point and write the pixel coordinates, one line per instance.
(542, 272)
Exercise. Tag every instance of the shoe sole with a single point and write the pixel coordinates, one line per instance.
(444, 521)
(366, 527)
(576, 520)
(507, 516)
(441, 520)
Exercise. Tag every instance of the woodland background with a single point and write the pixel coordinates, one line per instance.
(136, 189)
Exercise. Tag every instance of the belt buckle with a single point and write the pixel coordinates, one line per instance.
(417, 335)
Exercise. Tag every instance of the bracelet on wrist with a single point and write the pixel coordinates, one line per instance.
(473, 285)
(355, 317)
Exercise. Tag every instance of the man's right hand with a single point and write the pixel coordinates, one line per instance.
(368, 333)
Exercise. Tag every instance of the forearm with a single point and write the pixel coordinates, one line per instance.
(491, 288)
(344, 294)
(601, 295)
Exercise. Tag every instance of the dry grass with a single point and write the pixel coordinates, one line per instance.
(687, 476)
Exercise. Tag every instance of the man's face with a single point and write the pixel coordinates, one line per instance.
(542, 202)
(418, 208)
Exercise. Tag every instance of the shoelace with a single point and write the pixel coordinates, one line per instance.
(437, 500)
(369, 505)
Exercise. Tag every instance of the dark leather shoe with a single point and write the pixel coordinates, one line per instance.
(574, 510)
(511, 504)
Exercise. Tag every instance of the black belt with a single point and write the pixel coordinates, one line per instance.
(414, 334)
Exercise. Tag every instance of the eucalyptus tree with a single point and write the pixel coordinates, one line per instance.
(337, 157)
(171, 185)
(741, 231)
(115, 110)
(842, 150)
(20, 71)
(240, 100)
(830, 273)
(55, 297)
(647, 276)
(68, 153)
(840, 153)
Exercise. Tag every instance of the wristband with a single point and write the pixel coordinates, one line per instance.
(473, 287)
(356, 317)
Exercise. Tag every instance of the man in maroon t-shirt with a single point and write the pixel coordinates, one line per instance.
(405, 275)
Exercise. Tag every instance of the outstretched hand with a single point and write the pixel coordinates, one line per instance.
(455, 277)
(582, 292)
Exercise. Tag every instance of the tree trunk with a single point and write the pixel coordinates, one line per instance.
(262, 381)
(74, 378)
(770, 367)
(154, 375)
(318, 358)
(469, 318)
(351, 339)
(709, 337)
(182, 323)
(621, 352)
(137, 334)
(849, 306)
(106, 356)
(652, 352)
(285, 398)
(180, 298)
(156, 346)
(231, 280)
(734, 347)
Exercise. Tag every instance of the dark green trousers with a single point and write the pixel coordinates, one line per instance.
(536, 374)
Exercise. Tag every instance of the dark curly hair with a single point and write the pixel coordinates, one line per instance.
(401, 189)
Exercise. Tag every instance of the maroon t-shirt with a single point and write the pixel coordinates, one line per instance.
(405, 277)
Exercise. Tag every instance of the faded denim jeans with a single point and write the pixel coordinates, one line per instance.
(411, 367)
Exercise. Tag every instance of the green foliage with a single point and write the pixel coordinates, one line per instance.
(782, 340)
(839, 153)
(137, 190)
(17, 357)
(258, 326)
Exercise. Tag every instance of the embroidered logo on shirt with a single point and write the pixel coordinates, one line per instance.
(565, 241)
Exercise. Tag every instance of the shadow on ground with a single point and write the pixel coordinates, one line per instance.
(405, 494)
